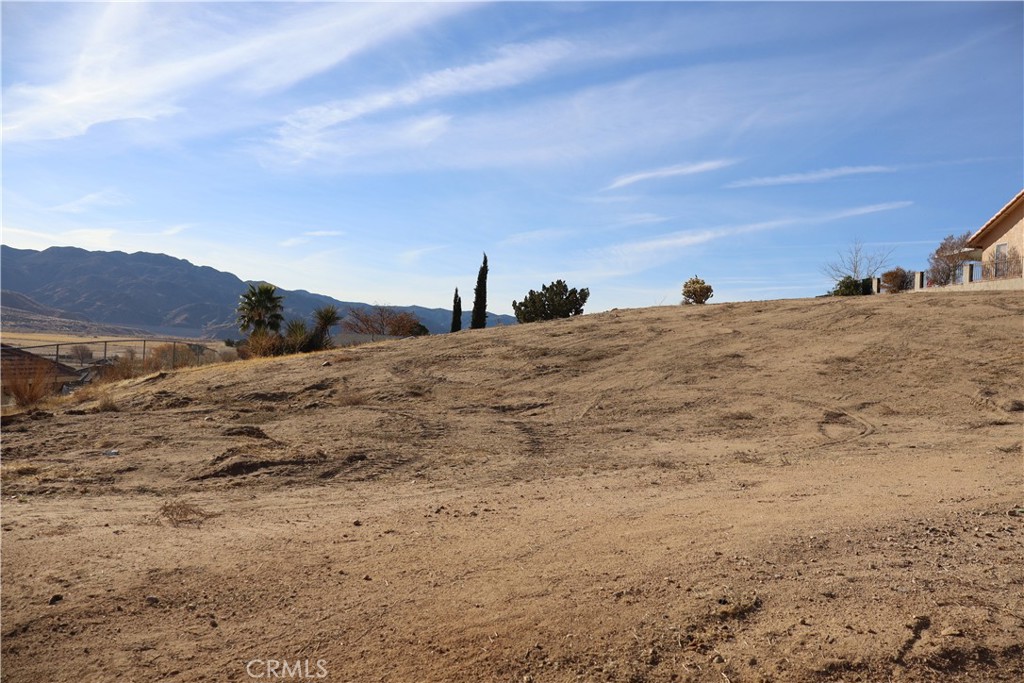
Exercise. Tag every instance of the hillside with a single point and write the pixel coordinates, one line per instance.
(159, 293)
(814, 490)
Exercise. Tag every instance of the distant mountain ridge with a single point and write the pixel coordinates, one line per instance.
(157, 292)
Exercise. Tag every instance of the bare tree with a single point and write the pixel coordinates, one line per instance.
(946, 260)
(382, 321)
(81, 353)
(857, 262)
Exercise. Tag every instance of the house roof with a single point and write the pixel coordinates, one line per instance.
(11, 353)
(990, 225)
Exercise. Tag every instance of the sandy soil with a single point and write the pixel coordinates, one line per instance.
(816, 490)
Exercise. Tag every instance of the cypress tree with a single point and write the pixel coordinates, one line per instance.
(479, 319)
(457, 312)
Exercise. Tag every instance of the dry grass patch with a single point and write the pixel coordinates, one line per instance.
(9, 473)
(178, 513)
(351, 398)
(33, 387)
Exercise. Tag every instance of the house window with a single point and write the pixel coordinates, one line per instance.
(1000, 259)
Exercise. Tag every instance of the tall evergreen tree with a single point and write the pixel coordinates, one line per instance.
(457, 312)
(479, 319)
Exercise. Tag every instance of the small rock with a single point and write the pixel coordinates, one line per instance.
(152, 600)
(367, 578)
(213, 623)
(357, 523)
(1013, 406)
(326, 364)
(952, 632)
(717, 659)
(56, 598)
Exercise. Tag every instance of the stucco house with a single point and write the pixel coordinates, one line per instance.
(999, 244)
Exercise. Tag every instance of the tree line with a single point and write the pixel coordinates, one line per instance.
(261, 314)
(855, 264)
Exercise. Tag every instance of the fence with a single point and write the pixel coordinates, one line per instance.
(154, 353)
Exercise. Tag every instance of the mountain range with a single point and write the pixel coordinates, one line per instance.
(154, 293)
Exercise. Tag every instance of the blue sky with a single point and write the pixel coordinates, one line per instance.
(372, 152)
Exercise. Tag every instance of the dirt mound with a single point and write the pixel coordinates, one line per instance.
(814, 490)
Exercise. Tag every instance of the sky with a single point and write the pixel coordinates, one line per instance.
(374, 152)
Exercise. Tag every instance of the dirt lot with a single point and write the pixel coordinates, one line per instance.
(815, 490)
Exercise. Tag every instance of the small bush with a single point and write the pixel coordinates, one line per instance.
(848, 286)
(174, 355)
(31, 388)
(178, 512)
(261, 345)
(107, 405)
(123, 367)
(897, 280)
(551, 302)
(696, 291)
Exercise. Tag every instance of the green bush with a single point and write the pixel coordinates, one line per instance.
(696, 291)
(848, 286)
(551, 302)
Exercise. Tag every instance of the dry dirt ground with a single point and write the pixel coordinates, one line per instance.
(815, 490)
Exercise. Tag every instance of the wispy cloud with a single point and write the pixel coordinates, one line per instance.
(92, 201)
(670, 171)
(640, 219)
(535, 236)
(819, 176)
(513, 65)
(307, 237)
(132, 65)
(641, 255)
(413, 256)
(176, 229)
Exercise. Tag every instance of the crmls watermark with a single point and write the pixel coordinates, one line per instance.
(300, 669)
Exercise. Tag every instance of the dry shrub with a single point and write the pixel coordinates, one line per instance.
(897, 280)
(167, 356)
(382, 321)
(178, 512)
(351, 398)
(261, 345)
(31, 388)
(107, 404)
(123, 367)
(9, 473)
(228, 355)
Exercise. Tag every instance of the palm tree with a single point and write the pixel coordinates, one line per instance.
(324, 318)
(260, 309)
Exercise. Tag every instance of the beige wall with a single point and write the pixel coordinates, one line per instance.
(1008, 230)
(1007, 284)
